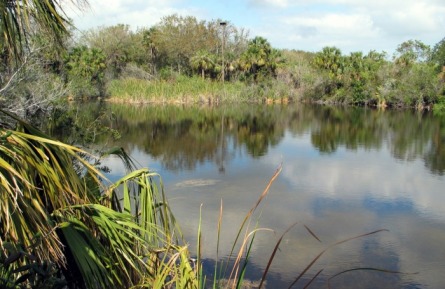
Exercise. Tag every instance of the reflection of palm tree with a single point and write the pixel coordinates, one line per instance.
(435, 156)
(222, 169)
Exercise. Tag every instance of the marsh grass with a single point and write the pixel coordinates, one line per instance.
(182, 89)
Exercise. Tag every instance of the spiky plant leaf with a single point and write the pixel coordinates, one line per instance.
(18, 19)
(56, 206)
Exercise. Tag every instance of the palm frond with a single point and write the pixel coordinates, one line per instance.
(19, 18)
(56, 207)
(144, 197)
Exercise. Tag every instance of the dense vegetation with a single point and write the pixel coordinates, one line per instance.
(183, 59)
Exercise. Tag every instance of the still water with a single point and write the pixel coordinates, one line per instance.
(345, 172)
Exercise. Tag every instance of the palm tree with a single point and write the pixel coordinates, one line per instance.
(149, 44)
(258, 51)
(62, 221)
(19, 18)
(259, 57)
(331, 60)
(202, 61)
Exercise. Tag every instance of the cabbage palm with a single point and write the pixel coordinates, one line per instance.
(57, 211)
(203, 61)
(331, 60)
(19, 18)
(260, 58)
(61, 223)
(256, 54)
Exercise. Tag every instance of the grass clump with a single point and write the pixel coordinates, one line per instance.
(183, 89)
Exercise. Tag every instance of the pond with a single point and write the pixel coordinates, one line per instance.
(344, 172)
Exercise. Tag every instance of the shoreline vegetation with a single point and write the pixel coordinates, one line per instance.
(325, 77)
(192, 90)
(184, 60)
(63, 225)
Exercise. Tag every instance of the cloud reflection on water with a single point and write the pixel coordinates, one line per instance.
(340, 194)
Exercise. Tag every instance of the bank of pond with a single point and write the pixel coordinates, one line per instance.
(194, 90)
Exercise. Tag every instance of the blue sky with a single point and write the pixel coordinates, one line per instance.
(351, 25)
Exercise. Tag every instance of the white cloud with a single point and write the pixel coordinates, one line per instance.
(351, 25)
(136, 13)
(312, 32)
(335, 24)
(276, 3)
(344, 179)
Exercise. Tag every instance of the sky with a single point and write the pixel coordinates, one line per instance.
(309, 25)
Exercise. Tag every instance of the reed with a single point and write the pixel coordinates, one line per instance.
(184, 89)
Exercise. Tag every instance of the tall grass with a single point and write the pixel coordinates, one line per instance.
(183, 89)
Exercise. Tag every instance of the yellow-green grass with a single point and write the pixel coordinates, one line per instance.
(184, 89)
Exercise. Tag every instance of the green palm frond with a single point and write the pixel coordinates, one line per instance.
(38, 177)
(142, 195)
(19, 18)
(55, 207)
(114, 253)
(89, 255)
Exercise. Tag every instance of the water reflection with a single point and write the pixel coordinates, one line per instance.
(181, 138)
(346, 171)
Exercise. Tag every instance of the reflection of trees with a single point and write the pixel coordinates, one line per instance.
(352, 127)
(81, 125)
(435, 156)
(178, 143)
(181, 137)
(409, 135)
(258, 131)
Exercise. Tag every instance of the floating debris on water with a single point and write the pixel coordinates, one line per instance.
(197, 183)
(246, 284)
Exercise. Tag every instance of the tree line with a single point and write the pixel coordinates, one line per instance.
(413, 77)
(212, 50)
